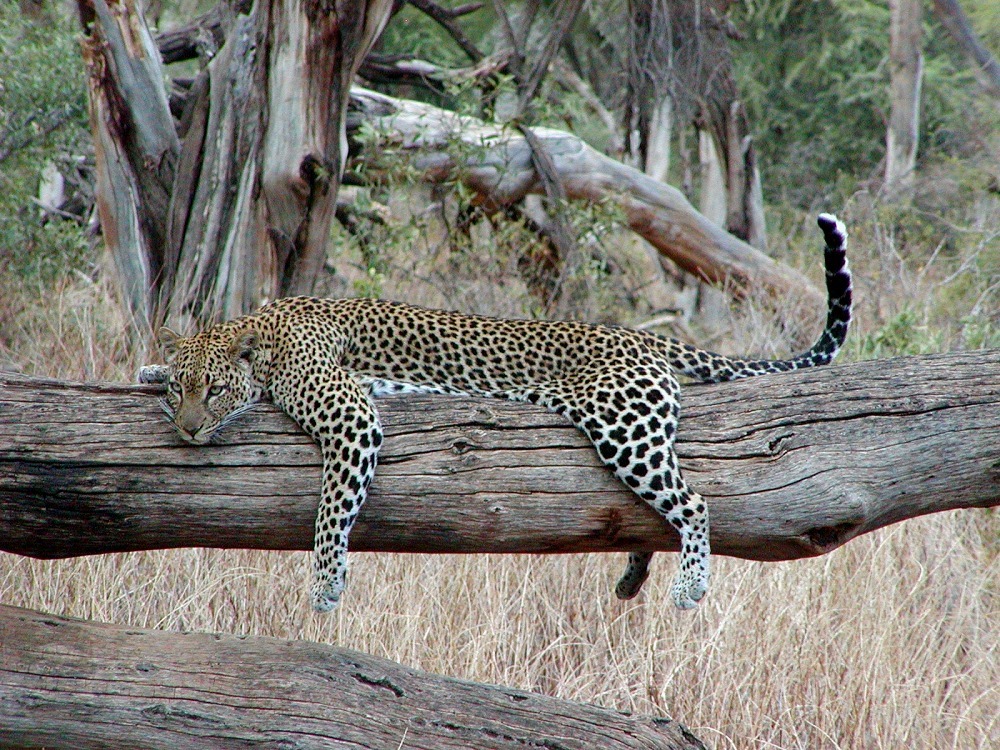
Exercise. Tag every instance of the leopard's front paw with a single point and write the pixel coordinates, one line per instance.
(325, 594)
(150, 374)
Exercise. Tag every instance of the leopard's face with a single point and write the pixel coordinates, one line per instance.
(210, 379)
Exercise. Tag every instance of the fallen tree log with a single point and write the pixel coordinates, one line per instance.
(78, 685)
(496, 163)
(792, 465)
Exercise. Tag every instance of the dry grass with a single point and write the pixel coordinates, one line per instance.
(890, 642)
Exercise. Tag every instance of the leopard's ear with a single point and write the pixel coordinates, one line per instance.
(169, 343)
(244, 346)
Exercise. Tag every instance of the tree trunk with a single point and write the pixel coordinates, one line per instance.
(234, 206)
(723, 120)
(793, 465)
(745, 201)
(906, 63)
(496, 165)
(136, 147)
(77, 685)
(657, 164)
(712, 196)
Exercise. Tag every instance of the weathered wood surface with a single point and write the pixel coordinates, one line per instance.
(79, 685)
(792, 465)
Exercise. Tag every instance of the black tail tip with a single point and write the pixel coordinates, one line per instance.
(834, 230)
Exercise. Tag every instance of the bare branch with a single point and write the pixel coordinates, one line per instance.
(497, 164)
(396, 69)
(445, 17)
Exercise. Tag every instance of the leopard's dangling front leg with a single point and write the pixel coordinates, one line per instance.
(152, 374)
(334, 410)
(349, 459)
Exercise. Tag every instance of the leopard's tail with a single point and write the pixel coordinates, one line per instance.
(715, 368)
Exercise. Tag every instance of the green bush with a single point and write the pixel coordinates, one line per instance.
(814, 77)
(43, 118)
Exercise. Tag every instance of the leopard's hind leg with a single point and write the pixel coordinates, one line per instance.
(687, 512)
(630, 413)
(636, 573)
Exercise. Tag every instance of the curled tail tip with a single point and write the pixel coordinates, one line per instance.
(834, 230)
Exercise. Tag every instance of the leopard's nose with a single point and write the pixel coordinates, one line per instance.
(199, 436)
(192, 432)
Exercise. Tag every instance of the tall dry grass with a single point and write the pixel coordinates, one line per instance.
(890, 642)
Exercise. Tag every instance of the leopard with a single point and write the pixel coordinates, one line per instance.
(325, 361)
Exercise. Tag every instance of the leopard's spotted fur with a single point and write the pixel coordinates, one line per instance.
(322, 361)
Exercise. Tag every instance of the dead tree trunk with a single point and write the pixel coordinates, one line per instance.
(234, 205)
(792, 465)
(78, 685)
(906, 71)
(496, 164)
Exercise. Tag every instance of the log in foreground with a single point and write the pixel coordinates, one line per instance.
(74, 684)
(792, 465)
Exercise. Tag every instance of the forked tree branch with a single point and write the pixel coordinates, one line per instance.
(792, 465)
(445, 17)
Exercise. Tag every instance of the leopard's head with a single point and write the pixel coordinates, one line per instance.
(212, 378)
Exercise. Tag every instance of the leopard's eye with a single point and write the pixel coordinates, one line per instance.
(175, 387)
(217, 390)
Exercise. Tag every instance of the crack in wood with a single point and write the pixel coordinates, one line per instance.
(379, 682)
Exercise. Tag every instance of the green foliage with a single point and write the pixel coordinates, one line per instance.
(906, 333)
(43, 112)
(910, 333)
(985, 18)
(414, 34)
(980, 333)
(41, 84)
(814, 77)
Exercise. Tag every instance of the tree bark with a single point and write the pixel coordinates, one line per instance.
(496, 165)
(136, 147)
(206, 220)
(793, 465)
(77, 685)
(906, 71)
(713, 194)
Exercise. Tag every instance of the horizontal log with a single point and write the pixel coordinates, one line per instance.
(792, 465)
(79, 685)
